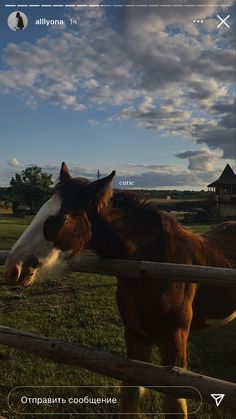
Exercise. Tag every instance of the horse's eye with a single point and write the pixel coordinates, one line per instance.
(53, 225)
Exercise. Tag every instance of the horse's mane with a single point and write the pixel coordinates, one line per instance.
(131, 214)
(128, 199)
(74, 183)
(70, 189)
(132, 202)
(143, 224)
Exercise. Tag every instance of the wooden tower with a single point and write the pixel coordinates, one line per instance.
(225, 193)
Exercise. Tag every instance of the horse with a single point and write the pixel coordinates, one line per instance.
(88, 215)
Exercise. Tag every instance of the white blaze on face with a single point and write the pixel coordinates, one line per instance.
(33, 242)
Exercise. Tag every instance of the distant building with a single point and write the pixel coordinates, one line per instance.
(225, 193)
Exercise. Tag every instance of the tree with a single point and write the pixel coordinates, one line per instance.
(32, 187)
(5, 197)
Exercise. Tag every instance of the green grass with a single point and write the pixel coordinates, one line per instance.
(199, 228)
(10, 229)
(170, 202)
(81, 308)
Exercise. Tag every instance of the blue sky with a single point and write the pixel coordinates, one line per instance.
(144, 91)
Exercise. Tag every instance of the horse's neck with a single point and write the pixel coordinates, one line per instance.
(126, 234)
(120, 233)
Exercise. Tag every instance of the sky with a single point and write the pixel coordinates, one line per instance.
(142, 90)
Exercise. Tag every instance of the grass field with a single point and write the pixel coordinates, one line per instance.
(81, 308)
(161, 201)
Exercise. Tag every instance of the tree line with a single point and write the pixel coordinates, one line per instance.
(30, 188)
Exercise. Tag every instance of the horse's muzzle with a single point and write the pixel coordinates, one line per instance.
(20, 273)
(11, 272)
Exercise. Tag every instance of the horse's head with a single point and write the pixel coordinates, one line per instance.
(60, 229)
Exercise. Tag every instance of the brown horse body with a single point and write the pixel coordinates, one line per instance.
(163, 312)
(148, 234)
(154, 312)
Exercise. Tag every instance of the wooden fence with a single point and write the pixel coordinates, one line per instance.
(150, 270)
(171, 380)
(128, 370)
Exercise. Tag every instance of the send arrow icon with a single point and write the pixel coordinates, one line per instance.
(218, 398)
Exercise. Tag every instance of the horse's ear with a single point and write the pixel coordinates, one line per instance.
(100, 192)
(64, 172)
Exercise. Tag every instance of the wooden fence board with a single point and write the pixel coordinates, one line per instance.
(124, 369)
(150, 270)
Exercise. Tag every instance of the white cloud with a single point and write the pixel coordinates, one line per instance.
(154, 67)
(201, 160)
(152, 176)
(144, 176)
(147, 105)
(93, 122)
(13, 162)
(90, 84)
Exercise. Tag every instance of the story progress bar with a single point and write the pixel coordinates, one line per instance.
(116, 5)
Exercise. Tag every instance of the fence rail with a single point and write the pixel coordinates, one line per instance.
(150, 270)
(124, 369)
(134, 372)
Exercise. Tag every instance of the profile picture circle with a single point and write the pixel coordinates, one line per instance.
(17, 21)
